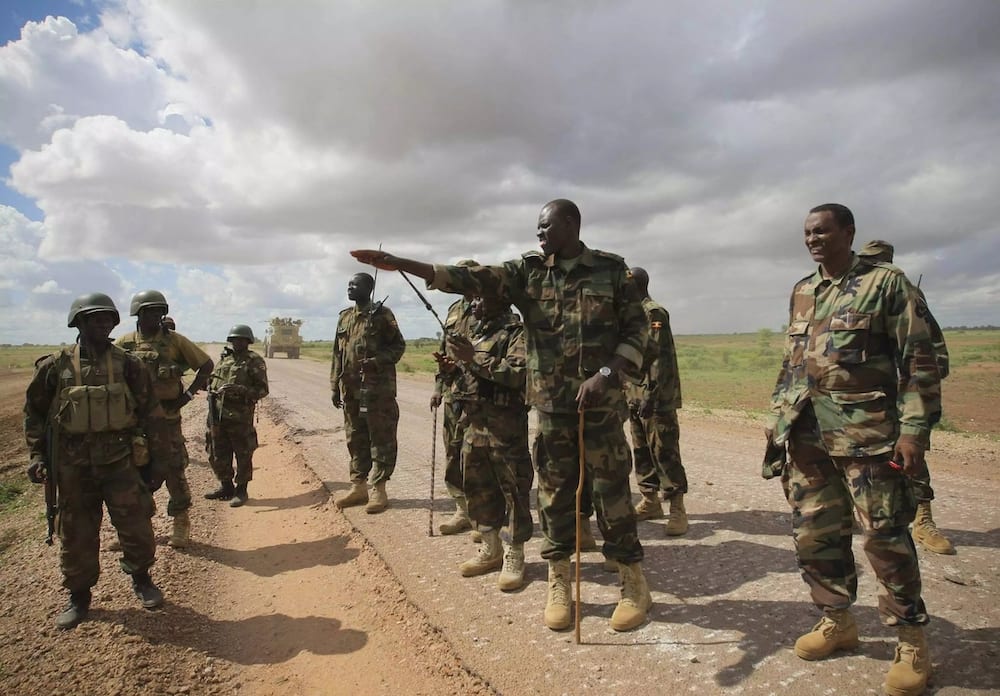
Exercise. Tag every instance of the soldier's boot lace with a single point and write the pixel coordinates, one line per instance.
(240, 496)
(911, 666)
(636, 599)
(181, 532)
(378, 500)
(649, 508)
(677, 525)
(835, 631)
(926, 533)
(489, 555)
(557, 606)
(148, 593)
(358, 495)
(458, 522)
(512, 572)
(587, 540)
(223, 492)
(75, 611)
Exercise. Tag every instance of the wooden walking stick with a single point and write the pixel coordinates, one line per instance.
(430, 511)
(579, 524)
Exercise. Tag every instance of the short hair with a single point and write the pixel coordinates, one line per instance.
(566, 207)
(367, 277)
(841, 213)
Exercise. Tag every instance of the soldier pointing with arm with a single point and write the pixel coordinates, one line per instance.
(584, 326)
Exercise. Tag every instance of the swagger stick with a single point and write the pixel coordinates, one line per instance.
(579, 525)
(430, 510)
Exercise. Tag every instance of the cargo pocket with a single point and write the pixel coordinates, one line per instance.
(892, 503)
(120, 406)
(862, 414)
(848, 342)
(74, 410)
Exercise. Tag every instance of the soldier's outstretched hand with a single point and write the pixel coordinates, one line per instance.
(376, 258)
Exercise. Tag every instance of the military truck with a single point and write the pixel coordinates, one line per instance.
(282, 336)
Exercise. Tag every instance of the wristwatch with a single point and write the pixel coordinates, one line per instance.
(605, 372)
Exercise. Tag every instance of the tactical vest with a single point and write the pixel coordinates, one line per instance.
(154, 354)
(93, 408)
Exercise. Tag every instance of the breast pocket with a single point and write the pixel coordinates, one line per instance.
(848, 341)
(798, 341)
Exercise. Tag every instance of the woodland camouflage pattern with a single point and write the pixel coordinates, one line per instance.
(235, 434)
(458, 322)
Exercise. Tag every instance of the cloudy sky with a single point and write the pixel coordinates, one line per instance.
(231, 153)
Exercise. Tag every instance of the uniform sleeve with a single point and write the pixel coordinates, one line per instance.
(257, 389)
(336, 359)
(504, 281)
(509, 369)
(391, 349)
(919, 398)
(633, 330)
(193, 356)
(37, 402)
(780, 384)
(659, 352)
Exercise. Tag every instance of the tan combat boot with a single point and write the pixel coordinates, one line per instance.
(489, 556)
(358, 495)
(635, 601)
(911, 666)
(459, 522)
(182, 530)
(512, 573)
(926, 533)
(677, 525)
(587, 540)
(649, 508)
(379, 499)
(835, 631)
(557, 610)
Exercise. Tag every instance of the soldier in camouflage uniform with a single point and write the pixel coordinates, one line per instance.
(238, 382)
(495, 461)
(925, 531)
(168, 355)
(855, 400)
(447, 392)
(584, 326)
(363, 381)
(85, 410)
(653, 405)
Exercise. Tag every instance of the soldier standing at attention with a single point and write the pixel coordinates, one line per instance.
(84, 409)
(584, 326)
(168, 355)
(653, 408)
(855, 400)
(363, 380)
(239, 381)
(925, 531)
(495, 461)
(448, 392)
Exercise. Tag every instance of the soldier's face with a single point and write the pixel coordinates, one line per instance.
(555, 232)
(240, 344)
(149, 317)
(358, 288)
(96, 327)
(828, 243)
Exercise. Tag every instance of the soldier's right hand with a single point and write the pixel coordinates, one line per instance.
(335, 399)
(36, 470)
(435, 401)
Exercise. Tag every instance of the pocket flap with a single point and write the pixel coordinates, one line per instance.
(850, 322)
(852, 398)
(798, 328)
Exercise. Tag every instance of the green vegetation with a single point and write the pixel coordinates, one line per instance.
(23, 356)
(418, 357)
(11, 494)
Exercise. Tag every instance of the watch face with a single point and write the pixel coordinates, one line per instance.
(605, 371)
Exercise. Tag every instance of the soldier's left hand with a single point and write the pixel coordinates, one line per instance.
(910, 454)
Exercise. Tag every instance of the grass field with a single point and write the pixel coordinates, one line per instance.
(737, 372)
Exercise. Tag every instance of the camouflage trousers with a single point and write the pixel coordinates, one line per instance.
(824, 492)
(234, 438)
(84, 490)
(498, 472)
(453, 431)
(174, 450)
(656, 447)
(607, 466)
(371, 439)
(922, 490)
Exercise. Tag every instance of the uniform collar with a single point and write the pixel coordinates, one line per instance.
(817, 278)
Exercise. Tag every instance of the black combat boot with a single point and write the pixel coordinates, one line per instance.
(148, 593)
(75, 611)
(239, 496)
(223, 492)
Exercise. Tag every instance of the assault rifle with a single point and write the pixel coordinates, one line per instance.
(213, 423)
(51, 486)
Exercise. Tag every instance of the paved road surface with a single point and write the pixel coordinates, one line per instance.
(729, 602)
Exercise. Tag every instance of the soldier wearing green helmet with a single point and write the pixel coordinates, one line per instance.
(238, 383)
(86, 410)
(168, 355)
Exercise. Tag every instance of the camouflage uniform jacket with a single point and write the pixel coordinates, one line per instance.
(496, 374)
(448, 385)
(362, 333)
(574, 321)
(660, 377)
(54, 374)
(168, 355)
(848, 339)
(248, 373)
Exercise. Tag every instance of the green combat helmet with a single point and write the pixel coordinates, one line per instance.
(148, 298)
(91, 303)
(241, 331)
